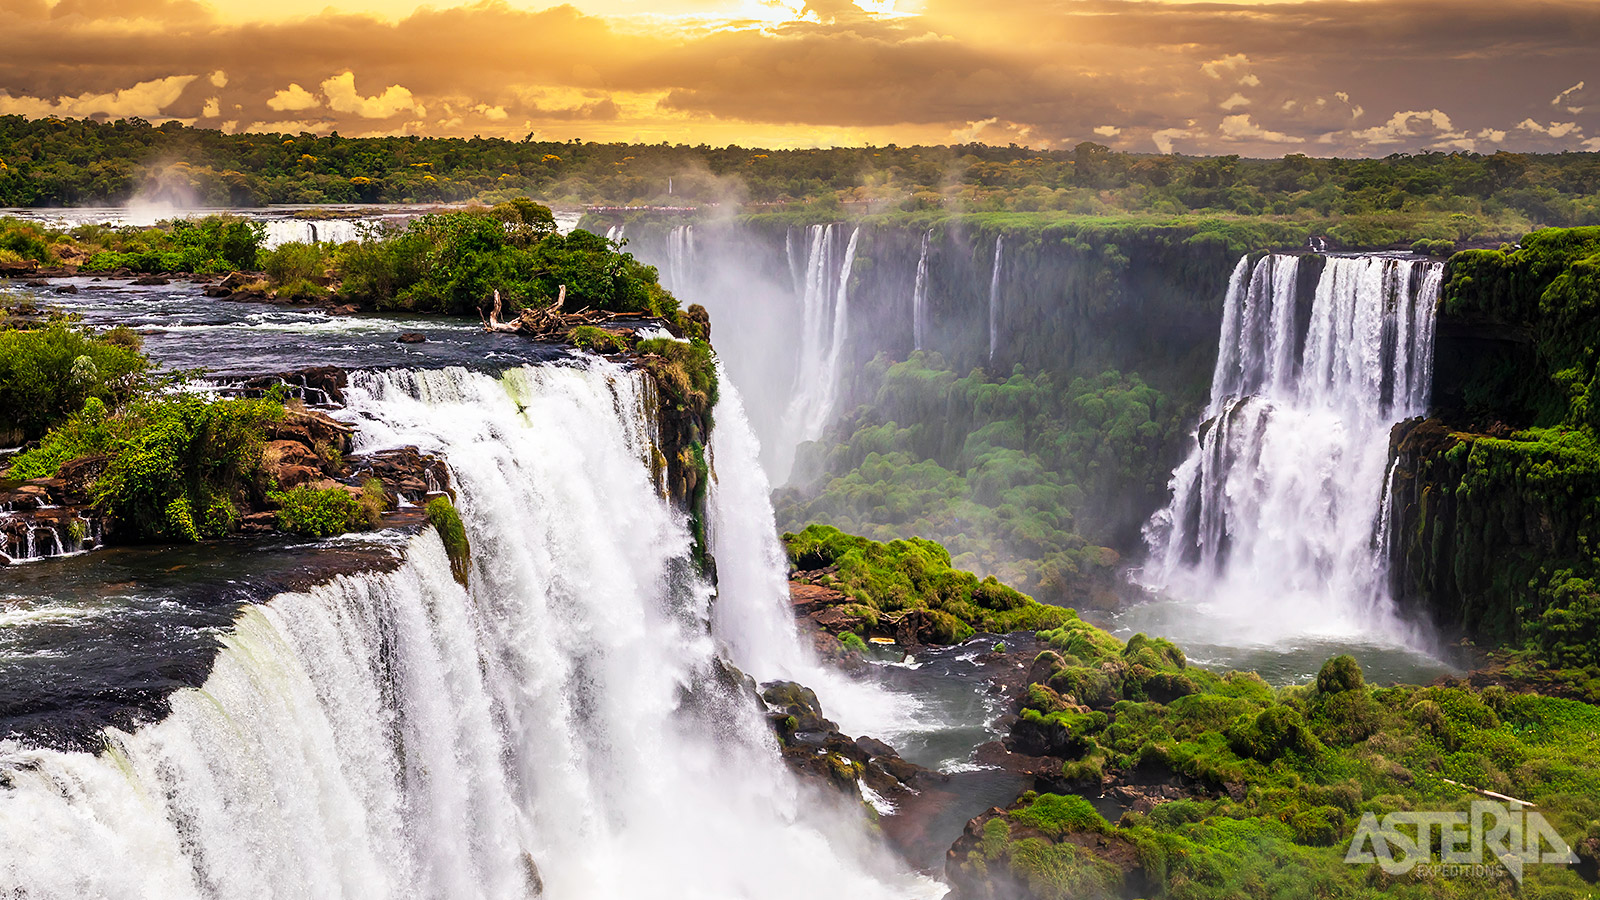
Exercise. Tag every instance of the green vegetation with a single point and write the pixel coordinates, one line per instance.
(214, 244)
(1278, 778)
(326, 512)
(173, 465)
(454, 262)
(446, 521)
(1506, 528)
(207, 245)
(882, 580)
(1021, 476)
(596, 339)
(50, 372)
(685, 372)
(1462, 196)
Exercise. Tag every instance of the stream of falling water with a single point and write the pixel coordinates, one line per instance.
(559, 729)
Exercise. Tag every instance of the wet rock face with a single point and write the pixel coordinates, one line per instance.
(863, 768)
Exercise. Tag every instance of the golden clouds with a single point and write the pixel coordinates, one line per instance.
(1252, 78)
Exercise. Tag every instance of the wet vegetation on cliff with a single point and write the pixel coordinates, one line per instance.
(1025, 476)
(1501, 497)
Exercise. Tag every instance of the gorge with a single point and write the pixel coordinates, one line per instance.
(1180, 437)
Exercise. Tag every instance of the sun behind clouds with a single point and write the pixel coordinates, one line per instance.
(1230, 77)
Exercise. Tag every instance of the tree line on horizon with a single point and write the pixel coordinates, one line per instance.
(66, 162)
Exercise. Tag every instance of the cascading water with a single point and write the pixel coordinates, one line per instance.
(680, 258)
(1275, 524)
(826, 318)
(751, 617)
(994, 296)
(559, 729)
(336, 231)
(919, 298)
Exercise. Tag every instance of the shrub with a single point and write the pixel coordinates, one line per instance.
(1058, 814)
(174, 463)
(319, 512)
(853, 642)
(49, 373)
(295, 262)
(1341, 673)
(1270, 734)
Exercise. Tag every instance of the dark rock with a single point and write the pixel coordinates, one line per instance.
(66, 289)
(799, 702)
(216, 291)
(234, 281)
(874, 747)
(151, 281)
(36, 283)
(412, 337)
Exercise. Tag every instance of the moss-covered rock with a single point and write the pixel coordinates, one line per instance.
(908, 589)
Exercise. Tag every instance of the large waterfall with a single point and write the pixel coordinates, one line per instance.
(560, 728)
(825, 306)
(1275, 522)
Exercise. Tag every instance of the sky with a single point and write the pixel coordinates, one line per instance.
(1320, 77)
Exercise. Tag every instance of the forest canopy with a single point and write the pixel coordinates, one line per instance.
(57, 162)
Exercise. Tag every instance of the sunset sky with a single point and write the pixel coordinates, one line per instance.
(1322, 77)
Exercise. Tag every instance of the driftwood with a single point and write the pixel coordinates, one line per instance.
(549, 323)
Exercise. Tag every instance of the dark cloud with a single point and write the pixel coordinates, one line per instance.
(1324, 76)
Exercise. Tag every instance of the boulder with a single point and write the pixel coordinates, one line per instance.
(66, 289)
(290, 463)
(234, 281)
(151, 281)
(216, 291)
(412, 337)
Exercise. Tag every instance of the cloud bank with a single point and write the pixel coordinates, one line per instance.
(1325, 77)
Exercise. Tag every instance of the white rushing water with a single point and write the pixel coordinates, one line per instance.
(752, 618)
(825, 305)
(1276, 525)
(919, 298)
(556, 730)
(994, 296)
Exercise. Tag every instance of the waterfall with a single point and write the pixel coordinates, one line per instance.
(751, 617)
(1276, 523)
(994, 297)
(680, 257)
(559, 729)
(919, 299)
(825, 311)
(336, 231)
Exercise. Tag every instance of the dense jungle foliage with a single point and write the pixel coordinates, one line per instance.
(453, 262)
(56, 162)
(1024, 477)
(50, 371)
(1508, 501)
(1275, 780)
(173, 464)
